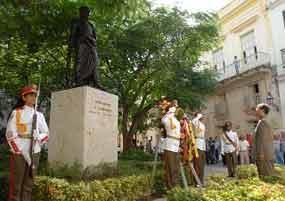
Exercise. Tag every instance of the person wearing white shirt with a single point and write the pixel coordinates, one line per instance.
(171, 147)
(19, 135)
(230, 148)
(243, 152)
(199, 132)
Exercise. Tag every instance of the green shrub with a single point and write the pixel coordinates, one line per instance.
(136, 154)
(159, 187)
(233, 190)
(101, 171)
(248, 188)
(4, 186)
(71, 173)
(4, 158)
(246, 171)
(75, 172)
(179, 194)
(132, 167)
(250, 171)
(113, 189)
(4, 171)
(117, 189)
(278, 178)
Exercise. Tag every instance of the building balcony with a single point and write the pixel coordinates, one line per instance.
(239, 67)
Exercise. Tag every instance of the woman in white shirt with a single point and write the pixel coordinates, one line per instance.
(21, 131)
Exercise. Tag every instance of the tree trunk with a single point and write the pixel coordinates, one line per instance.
(127, 138)
(127, 142)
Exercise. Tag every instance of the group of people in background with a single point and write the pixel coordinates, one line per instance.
(184, 143)
(258, 148)
(214, 150)
(245, 154)
(279, 147)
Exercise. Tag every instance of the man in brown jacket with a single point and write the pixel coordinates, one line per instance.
(263, 142)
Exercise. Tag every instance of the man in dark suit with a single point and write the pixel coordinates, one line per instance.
(263, 142)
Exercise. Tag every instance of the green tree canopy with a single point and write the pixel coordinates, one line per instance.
(145, 53)
(158, 56)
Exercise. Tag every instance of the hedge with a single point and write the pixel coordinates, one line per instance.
(137, 155)
(4, 186)
(247, 187)
(118, 189)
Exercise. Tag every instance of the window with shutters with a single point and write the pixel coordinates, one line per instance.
(218, 59)
(249, 49)
(257, 94)
(283, 56)
(283, 17)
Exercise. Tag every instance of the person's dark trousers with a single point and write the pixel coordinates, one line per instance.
(224, 160)
(171, 160)
(231, 161)
(238, 160)
(265, 167)
(21, 182)
(217, 155)
(199, 165)
(208, 157)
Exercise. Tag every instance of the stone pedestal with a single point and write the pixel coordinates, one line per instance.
(83, 127)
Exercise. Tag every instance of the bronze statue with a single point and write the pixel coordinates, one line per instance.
(82, 43)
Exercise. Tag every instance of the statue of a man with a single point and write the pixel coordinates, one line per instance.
(83, 42)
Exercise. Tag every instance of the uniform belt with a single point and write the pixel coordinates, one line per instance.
(173, 137)
(25, 136)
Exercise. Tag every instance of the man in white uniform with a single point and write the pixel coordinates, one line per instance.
(171, 147)
(199, 132)
(230, 148)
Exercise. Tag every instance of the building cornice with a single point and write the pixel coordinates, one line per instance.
(245, 24)
(235, 11)
(274, 4)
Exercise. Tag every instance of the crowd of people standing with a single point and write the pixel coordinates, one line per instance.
(214, 150)
(185, 143)
(244, 156)
(279, 147)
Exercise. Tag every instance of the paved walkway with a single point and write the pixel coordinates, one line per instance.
(210, 170)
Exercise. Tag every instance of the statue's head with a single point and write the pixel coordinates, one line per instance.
(84, 12)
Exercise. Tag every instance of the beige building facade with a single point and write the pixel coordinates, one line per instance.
(276, 13)
(244, 63)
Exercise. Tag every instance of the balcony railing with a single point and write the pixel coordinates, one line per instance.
(281, 69)
(243, 65)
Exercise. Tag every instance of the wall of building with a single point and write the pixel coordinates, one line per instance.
(234, 100)
(278, 30)
(251, 18)
(277, 22)
(234, 97)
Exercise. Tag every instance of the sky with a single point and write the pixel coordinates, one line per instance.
(194, 5)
